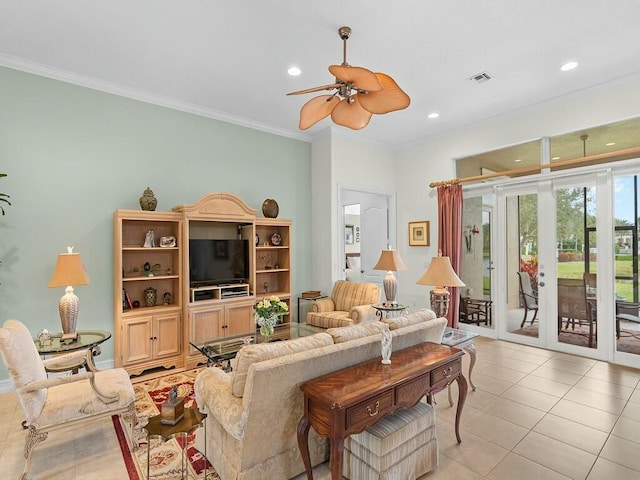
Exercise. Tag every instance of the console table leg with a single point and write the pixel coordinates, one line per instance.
(303, 445)
(471, 349)
(462, 396)
(337, 446)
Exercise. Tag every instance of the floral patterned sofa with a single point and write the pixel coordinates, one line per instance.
(253, 412)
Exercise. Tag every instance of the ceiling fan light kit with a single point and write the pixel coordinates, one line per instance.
(359, 94)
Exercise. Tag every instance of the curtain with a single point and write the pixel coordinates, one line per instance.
(450, 239)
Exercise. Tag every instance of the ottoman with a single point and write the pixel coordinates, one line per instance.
(400, 446)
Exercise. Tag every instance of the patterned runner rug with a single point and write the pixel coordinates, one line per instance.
(166, 457)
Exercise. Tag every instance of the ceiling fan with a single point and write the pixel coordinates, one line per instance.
(359, 94)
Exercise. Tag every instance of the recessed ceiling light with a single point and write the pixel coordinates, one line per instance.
(555, 158)
(294, 71)
(433, 115)
(568, 66)
(517, 160)
(610, 144)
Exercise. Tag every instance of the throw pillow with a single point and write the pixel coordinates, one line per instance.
(422, 315)
(344, 334)
(266, 351)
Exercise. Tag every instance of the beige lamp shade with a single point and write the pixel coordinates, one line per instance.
(440, 274)
(69, 271)
(390, 261)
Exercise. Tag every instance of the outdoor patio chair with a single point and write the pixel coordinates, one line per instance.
(574, 306)
(476, 311)
(528, 297)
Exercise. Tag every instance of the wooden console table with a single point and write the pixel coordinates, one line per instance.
(348, 401)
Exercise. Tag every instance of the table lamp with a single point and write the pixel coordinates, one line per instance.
(69, 271)
(440, 274)
(391, 262)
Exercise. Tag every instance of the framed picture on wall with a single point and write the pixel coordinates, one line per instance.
(348, 234)
(419, 234)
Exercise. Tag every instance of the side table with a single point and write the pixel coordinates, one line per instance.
(193, 418)
(388, 311)
(452, 337)
(307, 299)
(87, 339)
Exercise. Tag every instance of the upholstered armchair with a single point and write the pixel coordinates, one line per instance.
(349, 304)
(51, 403)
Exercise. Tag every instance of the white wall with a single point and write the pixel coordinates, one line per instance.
(433, 159)
(342, 159)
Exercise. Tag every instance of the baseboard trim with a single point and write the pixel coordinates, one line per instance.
(6, 385)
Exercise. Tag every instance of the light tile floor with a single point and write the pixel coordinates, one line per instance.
(535, 415)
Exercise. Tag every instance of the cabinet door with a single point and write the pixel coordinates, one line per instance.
(205, 325)
(137, 339)
(166, 335)
(240, 319)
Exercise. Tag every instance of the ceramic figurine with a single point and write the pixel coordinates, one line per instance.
(386, 345)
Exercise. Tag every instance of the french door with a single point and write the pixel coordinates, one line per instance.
(549, 234)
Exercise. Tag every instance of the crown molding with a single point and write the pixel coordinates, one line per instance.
(20, 64)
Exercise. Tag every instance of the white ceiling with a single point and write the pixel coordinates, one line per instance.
(229, 59)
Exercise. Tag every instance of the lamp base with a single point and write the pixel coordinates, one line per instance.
(390, 288)
(440, 302)
(68, 308)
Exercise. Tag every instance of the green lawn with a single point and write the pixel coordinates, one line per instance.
(624, 288)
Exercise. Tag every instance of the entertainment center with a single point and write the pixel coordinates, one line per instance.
(193, 275)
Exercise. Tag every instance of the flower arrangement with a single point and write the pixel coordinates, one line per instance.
(269, 312)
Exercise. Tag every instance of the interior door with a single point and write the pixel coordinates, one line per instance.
(373, 228)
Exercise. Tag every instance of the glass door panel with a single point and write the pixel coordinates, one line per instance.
(625, 244)
(576, 266)
(476, 302)
(521, 238)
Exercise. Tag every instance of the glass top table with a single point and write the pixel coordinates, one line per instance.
(384, 310)
(452, 337)
(462, 339)
(221, 349)
(87, 339)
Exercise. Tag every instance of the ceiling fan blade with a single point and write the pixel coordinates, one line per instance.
(361, 78)
(351, 115)
(315, 89)
(389, 99)
(316, 109)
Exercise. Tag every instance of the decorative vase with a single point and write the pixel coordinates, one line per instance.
(270, 208)
(150, 297)
(266, 331)
(148, 200)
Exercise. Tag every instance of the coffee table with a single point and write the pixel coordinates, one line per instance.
(226, 348)
(193, 418)
(462, 339)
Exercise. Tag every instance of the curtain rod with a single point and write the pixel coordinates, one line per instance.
(575, 162)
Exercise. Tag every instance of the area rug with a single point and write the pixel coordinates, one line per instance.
(626, 343)
(166, 457)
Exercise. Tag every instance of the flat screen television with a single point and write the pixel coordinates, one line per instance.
(216, 262)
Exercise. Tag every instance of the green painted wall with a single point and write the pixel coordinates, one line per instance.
(74, 155)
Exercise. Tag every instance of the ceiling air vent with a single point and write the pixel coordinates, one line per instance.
(481, 77)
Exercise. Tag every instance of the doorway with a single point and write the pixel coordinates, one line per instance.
(367, 227)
